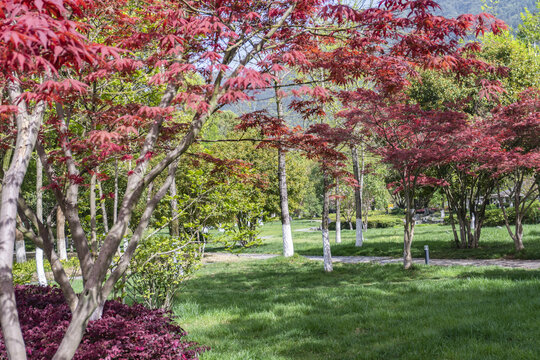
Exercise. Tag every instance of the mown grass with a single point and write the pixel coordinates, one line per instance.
(494, 243)
(290, 309)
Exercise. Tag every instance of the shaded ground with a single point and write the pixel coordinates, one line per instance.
(289, 309)
(505, 263)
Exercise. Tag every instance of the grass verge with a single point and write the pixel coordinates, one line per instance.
(494, 243)
(289, 309)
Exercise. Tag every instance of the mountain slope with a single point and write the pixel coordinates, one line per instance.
(507, 10)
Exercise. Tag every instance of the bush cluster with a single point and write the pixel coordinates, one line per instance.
(377, 222)
(494, 216)
(124, 332)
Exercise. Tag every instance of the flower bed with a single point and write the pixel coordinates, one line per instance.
(124, 332)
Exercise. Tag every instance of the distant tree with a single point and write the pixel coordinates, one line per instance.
(517, 128)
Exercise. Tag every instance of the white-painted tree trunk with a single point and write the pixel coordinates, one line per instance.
(105, 217)
(359, 177)
(115, 203)
(40, 269)
(60, 234)
(327, 253)
(288, 246)
(175, 223)
(20, 250)
(93, 214)
(338, 215)
(359, 233)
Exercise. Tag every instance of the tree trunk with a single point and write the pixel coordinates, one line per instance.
(27, 131)
(452, 222)
(115, 204)
(409, 231)
(327, 254)
(338, 215)
(518, 238)
(359, 177)
(60, 234)
(20, 249)
(77, 326)
(40, 269)
(93, 213)
(103, 208)
(288, 246)
(175, 223)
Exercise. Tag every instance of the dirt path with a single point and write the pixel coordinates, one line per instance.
(520, 264)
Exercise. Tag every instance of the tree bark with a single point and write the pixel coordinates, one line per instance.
(409, 231)
(27, 131)
(288, 246)
(20, 249)
(93, 213)
(338, 215)
(327, 254)
(115, 204)
(60, 234)
(40, 269)
(103, 208)
(175, 223)
(359, 177)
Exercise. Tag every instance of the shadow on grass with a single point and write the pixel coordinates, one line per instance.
(291, 309)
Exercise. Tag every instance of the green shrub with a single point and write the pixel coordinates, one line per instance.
(23, 273)
(495, 217)
(159, 266)
(376, 222)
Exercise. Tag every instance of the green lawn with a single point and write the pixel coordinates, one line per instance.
(494, 243)
(290, 309)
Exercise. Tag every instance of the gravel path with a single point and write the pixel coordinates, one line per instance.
(520, 264)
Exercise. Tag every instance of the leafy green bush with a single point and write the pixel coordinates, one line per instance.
(159, 266)
(25, 273)
(376, 222)
(495, 217)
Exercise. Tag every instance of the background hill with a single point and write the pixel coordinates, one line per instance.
(507, 10)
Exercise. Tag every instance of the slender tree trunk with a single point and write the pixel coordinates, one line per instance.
(327, 254)
(517, 235)
(359, 177)
(103, 208)
(27, 130)
(175, 223)
(60, 234)
(518, 240)
(288, 246)
(452, 222)
(40, 269)
(20, 249)
(338, 215)
(409, 231)
(115, 204)
(93, 213)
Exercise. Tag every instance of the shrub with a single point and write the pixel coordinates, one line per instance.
(25, 273)
(376, 222)
(494, 216)
(124, 332)
(159, 266)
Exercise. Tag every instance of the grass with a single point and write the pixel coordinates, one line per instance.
(494, 243)
(290, 309)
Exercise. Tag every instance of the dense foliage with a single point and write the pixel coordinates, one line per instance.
(124, 332)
